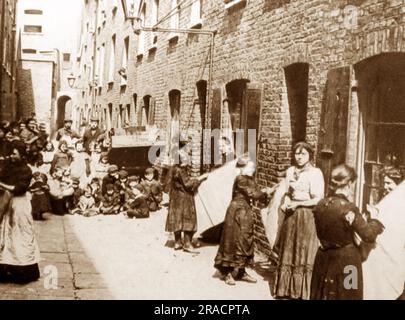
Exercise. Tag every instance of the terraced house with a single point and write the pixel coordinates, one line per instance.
(9, 60)
(328, 72)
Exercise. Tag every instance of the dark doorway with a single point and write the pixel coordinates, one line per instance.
(61, 111)
(202, 101)
(145, 110)
(381, 82)
(174, 101)
(296, 76)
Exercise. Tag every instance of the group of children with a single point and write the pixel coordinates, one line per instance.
(74, 182)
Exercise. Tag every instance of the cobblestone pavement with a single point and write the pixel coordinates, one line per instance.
(111, 257)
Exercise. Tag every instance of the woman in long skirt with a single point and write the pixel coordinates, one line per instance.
(236, 249)
(182, 216)
(298, 242)
(337, 271)
(19, 252)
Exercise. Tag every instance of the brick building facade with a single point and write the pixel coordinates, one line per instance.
(328, 72)
(49, 31)
(9, 60)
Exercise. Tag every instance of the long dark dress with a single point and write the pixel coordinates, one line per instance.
(19, 252)
(337, 220)
(182, 213)
(236, 249)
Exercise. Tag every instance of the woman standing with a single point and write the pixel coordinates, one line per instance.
(338, 258)
(19, 252)
(236, 249)
(297, 243)
(182, 217)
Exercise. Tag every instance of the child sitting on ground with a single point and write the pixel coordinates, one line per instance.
(96, 190)
(78, 192)
(153, 189)
(110, 203)
(135, 200)
(40, 201)
(86, 206)
(121, 185)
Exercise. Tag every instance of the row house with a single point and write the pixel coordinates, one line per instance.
(9, 60)
(328, 72)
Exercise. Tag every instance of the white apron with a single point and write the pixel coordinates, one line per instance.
(18, 245)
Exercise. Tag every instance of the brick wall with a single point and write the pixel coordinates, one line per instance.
(8, 65)
(255, 41)
(36, 99)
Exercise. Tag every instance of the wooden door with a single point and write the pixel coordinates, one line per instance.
(334, 121)
(251, 114)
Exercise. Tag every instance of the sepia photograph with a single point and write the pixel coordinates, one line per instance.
(202, 150)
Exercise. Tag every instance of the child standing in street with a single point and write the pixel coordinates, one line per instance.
(80, 166)
(47, 156)
(40, 201)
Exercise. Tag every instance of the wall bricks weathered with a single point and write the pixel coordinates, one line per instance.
(255, 41)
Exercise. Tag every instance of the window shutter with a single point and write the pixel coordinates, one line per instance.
(252, 112)
(334, 122)
(215, 122)
(216, 109)
(152, 108)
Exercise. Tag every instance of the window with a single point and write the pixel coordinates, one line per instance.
(66, 57)
(101, 67)
(111, 68)
(32, 29)
(174, 101)
(175, 18)
(114, 6)
(141, 43)
(128, 114)
(33, 11)
(195, 18)
(231, 3)
(155, 12)
(29, 51)
(97, 65)
(124, 64)
(297, 77)
(100, 12)
(383, 114)
(110, 116)
(145, 111)
(134, 98)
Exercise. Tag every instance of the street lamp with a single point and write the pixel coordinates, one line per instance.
(71, 80)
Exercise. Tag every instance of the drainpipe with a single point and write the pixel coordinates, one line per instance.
(2, 55)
